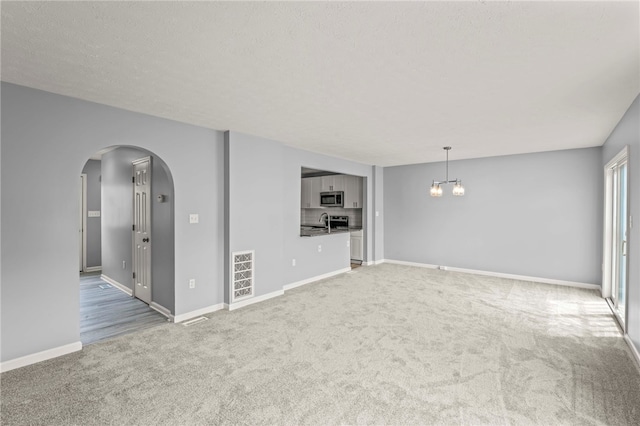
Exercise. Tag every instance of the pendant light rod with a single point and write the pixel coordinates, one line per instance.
(446, 148)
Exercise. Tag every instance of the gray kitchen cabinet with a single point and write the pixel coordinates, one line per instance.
(356, 245)
(353, 192)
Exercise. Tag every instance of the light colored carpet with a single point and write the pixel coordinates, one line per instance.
(387, 344)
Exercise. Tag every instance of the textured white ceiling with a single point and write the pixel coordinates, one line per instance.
(380, 83)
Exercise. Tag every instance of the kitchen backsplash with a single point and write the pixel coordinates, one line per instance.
(312, 216)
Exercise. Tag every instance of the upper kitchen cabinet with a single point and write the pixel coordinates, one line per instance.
(333, 183)
(310, 193)
(306, 194)
(312, 186)
(352, 192)
(316, 184)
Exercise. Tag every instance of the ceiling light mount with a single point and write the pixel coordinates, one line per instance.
(436, 189)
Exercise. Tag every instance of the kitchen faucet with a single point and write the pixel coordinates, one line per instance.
(328, 221)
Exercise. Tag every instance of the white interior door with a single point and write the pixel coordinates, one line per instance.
(142, 229)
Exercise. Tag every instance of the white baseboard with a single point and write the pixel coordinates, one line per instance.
(93, 268)
(378, 262)
(402, 262)
(253, 300)
(634, 350)
(526, 278)
(198, 312)
(40, 356)
(500, 275)
(164, 311)
(117, 285)
(316, 278)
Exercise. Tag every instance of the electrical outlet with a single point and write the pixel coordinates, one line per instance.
(293, 262)
(192, 283)
(348, 243)
(124, 264)
(377, 214)
(194, 218)
(319, 248)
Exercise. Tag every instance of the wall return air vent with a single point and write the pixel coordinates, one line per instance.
(242, 269)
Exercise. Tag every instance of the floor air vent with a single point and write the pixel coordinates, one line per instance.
(104, 286)
(194, 321)
(242, 279)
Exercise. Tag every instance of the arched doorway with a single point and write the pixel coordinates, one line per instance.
(119, 291)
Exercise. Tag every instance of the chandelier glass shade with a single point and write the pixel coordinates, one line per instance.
(436, 186)
(436, 190)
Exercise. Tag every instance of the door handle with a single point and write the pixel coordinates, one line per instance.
(145, 240)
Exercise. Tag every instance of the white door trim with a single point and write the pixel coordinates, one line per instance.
(83, 221)
(609, 229)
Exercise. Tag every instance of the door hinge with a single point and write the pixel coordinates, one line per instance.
(133, 227)
(134, 275)
(133, 179)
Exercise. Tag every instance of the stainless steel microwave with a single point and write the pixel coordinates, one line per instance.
(332, 199)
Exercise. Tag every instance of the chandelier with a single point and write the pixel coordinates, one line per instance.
(436, 189)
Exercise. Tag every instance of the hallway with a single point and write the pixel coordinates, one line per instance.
(106, 311)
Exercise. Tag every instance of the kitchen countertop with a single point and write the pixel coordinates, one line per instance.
(318, 230)
(317, 225)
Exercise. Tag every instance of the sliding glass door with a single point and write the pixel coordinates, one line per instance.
(616, 231)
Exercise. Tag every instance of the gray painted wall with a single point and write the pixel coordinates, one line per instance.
(163, 245)
(94, 224)
(227, 219)
(255, 206)
(117, 220)
(536, 215)
(627, 132)
(117, 214)
(378, 213)
(263, 211)
(65, 132)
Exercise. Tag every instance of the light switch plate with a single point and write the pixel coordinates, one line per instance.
(194, 218)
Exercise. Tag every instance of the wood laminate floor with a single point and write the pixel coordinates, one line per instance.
(108, 312)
